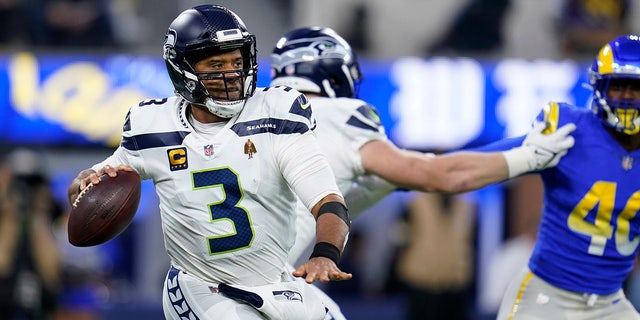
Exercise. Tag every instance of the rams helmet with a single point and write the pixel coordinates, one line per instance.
(618, 60)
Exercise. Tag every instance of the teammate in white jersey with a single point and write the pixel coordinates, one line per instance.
(229, 162)
(321, 64)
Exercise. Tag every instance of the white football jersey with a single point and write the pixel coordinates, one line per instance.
(228, 195)
(344, 125)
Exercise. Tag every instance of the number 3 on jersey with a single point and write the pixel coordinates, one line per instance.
(226, 211)
(601, 230)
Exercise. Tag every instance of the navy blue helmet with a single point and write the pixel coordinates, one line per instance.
(617, 60)
(316, 60)
(201, 32)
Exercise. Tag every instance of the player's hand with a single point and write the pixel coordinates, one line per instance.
(88, 176)
(321, 268)
(111, 171)
(545, 150)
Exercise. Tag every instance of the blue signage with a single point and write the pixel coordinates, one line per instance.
(436, 103)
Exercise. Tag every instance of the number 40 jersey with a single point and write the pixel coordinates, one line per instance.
(228, 190)
(590, 229)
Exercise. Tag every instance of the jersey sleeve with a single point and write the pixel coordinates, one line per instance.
(122, 155)
(299, 156)
(500, 145)
(307, 170)
(364, 125)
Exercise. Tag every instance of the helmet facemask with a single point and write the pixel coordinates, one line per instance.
(202, 32)
(623, 115)
(225, 91)
(615, 79)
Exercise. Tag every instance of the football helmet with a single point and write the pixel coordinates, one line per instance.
(316, 60)
(617, 60)
(201, 32)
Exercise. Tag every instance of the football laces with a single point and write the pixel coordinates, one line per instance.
(81, 194)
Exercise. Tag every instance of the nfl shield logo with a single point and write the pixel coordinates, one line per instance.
(208, 150)
(627, 163)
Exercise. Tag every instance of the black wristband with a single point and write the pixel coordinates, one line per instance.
(327, 250)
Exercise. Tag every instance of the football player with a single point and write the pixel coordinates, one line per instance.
(229, 162)
(590, 229)
(368, 166)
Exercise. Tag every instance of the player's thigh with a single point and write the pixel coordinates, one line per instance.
(530, 298)
(184, 297)
(526, 298)
(622, 309)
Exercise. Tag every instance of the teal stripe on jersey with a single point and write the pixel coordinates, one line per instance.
(154, 140)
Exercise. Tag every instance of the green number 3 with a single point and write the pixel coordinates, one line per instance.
(603, 194)
(226, 211)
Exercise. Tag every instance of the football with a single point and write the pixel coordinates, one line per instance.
(102, 211)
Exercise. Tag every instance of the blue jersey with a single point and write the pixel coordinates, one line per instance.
(588, 236)
(589, 233)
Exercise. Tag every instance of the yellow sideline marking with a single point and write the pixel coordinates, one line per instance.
(516, 304)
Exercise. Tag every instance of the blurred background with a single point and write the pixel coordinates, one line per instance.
(443, 75)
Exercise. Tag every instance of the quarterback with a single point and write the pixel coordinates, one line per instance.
(229, 162)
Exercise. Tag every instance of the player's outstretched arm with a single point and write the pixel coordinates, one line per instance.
(332, 228)
(465, 171)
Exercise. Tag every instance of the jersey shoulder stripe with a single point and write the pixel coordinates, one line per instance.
(557, 114)
(551, 113)
(269, 125)
(153, 140)
(276, 110)
(153, 124)
(369, 119)
(300, 106)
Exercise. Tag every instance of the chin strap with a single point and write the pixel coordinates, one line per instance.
(224, 109)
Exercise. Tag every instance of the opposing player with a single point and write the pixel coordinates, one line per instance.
(590, 230)
(321, 64)
(229, 162)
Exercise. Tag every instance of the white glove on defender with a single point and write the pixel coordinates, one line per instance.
(540, 151)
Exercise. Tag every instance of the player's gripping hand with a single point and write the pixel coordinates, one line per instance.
(539, 150)
(88, 176)
(321, 268)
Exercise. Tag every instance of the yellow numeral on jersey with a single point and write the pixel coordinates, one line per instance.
(600, 229)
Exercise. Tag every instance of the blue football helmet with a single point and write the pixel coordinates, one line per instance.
(201, 32)
(316, 60)
(617, 60)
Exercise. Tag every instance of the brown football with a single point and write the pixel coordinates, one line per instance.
(102, 211)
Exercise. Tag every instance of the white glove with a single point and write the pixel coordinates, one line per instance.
(540, 151)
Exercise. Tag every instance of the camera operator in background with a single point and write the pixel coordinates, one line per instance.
(30, 272)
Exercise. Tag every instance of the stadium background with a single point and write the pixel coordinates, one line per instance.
(69, 103)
